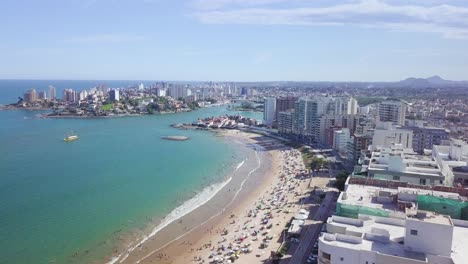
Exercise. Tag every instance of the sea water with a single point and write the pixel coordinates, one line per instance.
(75, 202)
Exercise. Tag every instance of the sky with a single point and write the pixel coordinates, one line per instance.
(234, 40)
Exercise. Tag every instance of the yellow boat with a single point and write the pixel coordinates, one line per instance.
(70, 138)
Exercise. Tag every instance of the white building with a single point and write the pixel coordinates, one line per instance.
(82, 95)
(52, 93)
(393, 111)
(422, 237)
(403, 164)
(286, 122)
(269, 111)
(386, 134)
(452, 159)
(340, 140)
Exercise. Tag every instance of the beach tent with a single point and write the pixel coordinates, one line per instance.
(296, 227)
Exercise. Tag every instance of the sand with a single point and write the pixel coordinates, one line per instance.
(210, 230)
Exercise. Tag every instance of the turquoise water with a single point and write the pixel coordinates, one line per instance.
(58, 198)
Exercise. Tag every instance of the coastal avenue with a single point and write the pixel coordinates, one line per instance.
(312, 230)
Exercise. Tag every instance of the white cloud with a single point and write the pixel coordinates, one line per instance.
(105, 38)
(450, 21)
(217, 4)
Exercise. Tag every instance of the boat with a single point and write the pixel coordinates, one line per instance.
(176, 138)
(70, 138)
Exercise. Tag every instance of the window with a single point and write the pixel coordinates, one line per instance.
(414, 232)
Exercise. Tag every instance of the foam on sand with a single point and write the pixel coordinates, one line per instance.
(259, 163)
(188, 206)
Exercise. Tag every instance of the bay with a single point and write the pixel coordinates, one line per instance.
(59, 199)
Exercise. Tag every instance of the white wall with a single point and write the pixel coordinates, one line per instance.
(435, 239)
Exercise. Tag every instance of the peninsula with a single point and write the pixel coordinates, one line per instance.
(101, 101)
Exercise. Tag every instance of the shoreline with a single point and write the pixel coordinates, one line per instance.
(169, 231)
(259, 181)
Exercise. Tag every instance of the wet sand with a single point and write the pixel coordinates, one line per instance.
(256, 173)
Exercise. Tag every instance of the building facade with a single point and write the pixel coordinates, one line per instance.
(392, 111)
(269, 111)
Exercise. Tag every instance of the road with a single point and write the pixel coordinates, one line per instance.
(312, 231)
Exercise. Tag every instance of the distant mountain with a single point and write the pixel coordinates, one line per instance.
(434, 81)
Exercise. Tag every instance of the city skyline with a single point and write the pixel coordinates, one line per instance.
(234, 40)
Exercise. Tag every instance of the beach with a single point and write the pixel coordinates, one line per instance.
(254, 203)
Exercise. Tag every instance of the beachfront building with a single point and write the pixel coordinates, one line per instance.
(286, 122)
(284, 104)
(421, 237)
(392, 199)
(392, 111)
(386, 134)
(30, 96)
(269, 111)
(308, 110)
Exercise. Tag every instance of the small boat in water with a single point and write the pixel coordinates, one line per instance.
(70, 138)
(176, 138)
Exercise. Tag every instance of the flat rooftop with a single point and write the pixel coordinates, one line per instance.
(364, 195)
(431, 217)
(459, 245)
(448, 195)
(360, 231)
(392, 247)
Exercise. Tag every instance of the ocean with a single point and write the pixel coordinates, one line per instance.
(77, 202)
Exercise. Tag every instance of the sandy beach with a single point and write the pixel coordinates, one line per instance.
(249, 213)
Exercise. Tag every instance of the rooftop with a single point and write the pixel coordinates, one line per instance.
(431, 217)
(386, 236)
(363, 195)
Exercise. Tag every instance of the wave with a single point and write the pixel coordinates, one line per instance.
(240, 164)
(188, 206)
(259, 163)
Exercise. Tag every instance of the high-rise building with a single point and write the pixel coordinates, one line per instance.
(386, 134)
(393, 111)
(340, 141)
(308, 111)
(427, 137)
(69, 95)
(343, 106)
(114, 95)
(52, 93)
(43, 95)
(30, 96)
(269, 111)
(177, 91)
(286, 122)
(82, 95)
(284, 104)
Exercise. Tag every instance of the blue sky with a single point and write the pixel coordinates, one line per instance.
(233, 40)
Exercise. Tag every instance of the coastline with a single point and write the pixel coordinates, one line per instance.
(175, 242)
(189, 224)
